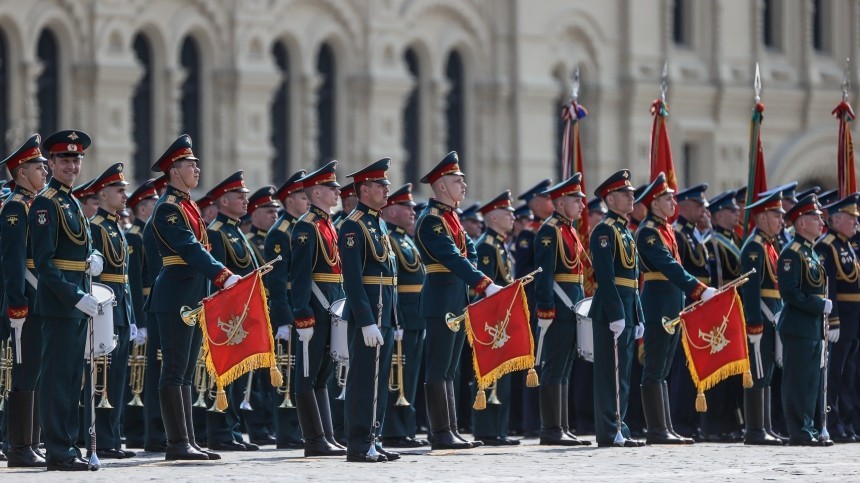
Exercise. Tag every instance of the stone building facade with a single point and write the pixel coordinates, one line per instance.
(270, 86)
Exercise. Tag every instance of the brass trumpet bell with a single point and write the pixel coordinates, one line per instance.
(453, 321)
(102, 364)
(670, 324)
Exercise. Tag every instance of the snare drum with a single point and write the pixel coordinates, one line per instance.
(584, 330)
(338, 345)
(103, 336)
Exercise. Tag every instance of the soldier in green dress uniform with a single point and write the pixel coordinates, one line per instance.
(666, 284)
(616, 312)
(288, 433)
(316, 281)
(802, 325)
(187, 270)
(450, 258)
(63, 257)
(762, 304)
(561, 255)
(400, 426)
(490, 425)
(29, 173)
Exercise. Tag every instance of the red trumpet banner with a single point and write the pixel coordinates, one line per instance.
(237, 333)
(499, 333)
(715, 342)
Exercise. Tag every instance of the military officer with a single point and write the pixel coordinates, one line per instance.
(229, 247)
(490, 425)
(27, 166)
(449, 255)
(187, 269)
(802, 285)
(635, 419)
(108, 239)
(843, 272)
(316, 281)
(63, 257)
(559, 252)
(473, 222)
(762, 304)
(789, 199)
(541, 208)
(616, 311)
(596, 211)
(348, 200)
(399, 428)
(666, 284)
(140, 203)
(288, 433)
(207, 208)
(639, 210)
(87, 197)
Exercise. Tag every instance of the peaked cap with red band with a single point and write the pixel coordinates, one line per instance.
(808, 205)
(324, 176)
(67, 142)
(111, 177)
(501, 202)
(450, 164)
(570, 187)
(84, 190)
(376, 172)
(180, 149)
(347, 190)
(263, 198)
(234, 182)
(620, 180)
(143, 192)
(403, 196)
(29, 152)
(656, 188)
(771, 202)
(293, 184)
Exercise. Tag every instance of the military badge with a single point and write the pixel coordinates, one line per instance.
(753, 256)
(11, 220)
(604, 241)
(651, 240)
(524, 243)
(42, 217)
(350, 240)
(485, 260)
(172, 219)
(302, 238)
(786, 265)
(277, 248)
(545, 241)
(73, 136)
(437, 229)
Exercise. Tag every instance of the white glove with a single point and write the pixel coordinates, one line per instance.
(754, 338)
(828, 306)
(617, 327)
(17, 324)
(231, 281)
(88, 305)
(372, 335)
(708, 294)
(640, 331)
(132, 332)
(140, 339)
(544, 323)
(398, 335)
(492, 289)
(284, 332)
(96, 264)
(305, 334)
(833, 336)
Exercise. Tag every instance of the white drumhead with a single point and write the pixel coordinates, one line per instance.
(337, 307)
(102, 292)
(582, 307)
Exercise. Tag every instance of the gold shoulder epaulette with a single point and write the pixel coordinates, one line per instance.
(795, 246)
(310, 217)
(828, 239)
(97, 220)
(17, 197)
(49, 193)
(490, 241)
(552, 222)
(355, 215)
(758, 239)
(649, 224)
(216, 225)
(171, 199)
(283, 226)
(434, 211)
(249, 236)
(678, 228)
(134, 230)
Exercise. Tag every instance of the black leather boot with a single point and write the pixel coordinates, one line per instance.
(441, 437)
(36, 439)
(312, 427)
(768, 425)
(551, 431)
(452, 415)
(755, 433)
(324, 406)
(19, 425)
(655, 416)
(187, 407)
(667, 411)
(173, 413)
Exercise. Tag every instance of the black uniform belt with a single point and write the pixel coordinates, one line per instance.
(172, 260)
(113, 278)
(437, 268)
(70, 265)
(568, 277)
(327, 277)
(409, 288)
(377, 280)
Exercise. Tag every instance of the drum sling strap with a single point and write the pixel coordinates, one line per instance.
(322, 299)
(563, 296)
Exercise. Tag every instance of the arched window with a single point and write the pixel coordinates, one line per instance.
(190, 102)
(141, 105)
(281, 116)
(412, 119)
(48, 84)
(4, 94)
(326, 110)
(455, 105)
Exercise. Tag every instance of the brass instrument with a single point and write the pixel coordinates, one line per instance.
(340, 373)
(102, 363)
(453, 321)
(494, 393)
(286, 362)
(5, 371)
(395, 376)
(201, 380)
(669, 324)
(245, 405)
(137, 365)
(213, 394)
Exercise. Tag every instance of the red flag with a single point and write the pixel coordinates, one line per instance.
(661, 149)
(756, 176)
(715, 342)
(499, 332)
(571, 154)
(237, 333)
(846, 177)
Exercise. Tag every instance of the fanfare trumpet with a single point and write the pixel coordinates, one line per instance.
(395, 377)
(453, 321)
(137, 365)
(341, 371)
(286, 362)
(494, 393)
(201, 381)
(669, 324)
(5, 371)
(102, 364)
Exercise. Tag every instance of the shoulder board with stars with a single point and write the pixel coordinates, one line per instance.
(283, 226)
(97, 220)
(49, 193)
(216, 225)
(355, 215)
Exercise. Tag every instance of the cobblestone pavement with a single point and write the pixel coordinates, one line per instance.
(529, 462)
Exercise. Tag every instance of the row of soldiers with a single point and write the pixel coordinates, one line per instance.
(400, 278)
